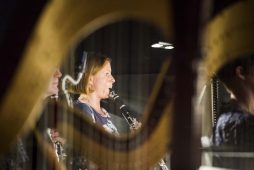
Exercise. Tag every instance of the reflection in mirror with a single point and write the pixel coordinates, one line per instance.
(228, 133)
(109, 76)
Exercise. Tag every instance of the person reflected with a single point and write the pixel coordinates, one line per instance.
(235, 126)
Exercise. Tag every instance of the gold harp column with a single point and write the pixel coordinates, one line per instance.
(228, 35)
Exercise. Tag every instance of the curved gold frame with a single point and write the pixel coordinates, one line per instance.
(60, 26)
(228, 36)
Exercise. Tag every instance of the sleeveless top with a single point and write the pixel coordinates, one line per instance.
(105, 122)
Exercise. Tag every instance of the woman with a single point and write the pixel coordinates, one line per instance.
(94, 86)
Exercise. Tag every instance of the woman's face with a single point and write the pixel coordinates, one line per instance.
(53, 84)
(103, 81)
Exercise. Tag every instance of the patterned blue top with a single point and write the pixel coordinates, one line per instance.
(105, 122)
(235, 128)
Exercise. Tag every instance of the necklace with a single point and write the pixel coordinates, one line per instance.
(102, 112)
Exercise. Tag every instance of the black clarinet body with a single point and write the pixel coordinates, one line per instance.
(132, 122)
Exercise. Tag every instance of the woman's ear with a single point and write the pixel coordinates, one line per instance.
(90, 84)
(90, 80)
(240, 72)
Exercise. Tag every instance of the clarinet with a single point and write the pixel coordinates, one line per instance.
(131, 121)
(58, 145)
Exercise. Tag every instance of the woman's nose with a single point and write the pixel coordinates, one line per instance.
(113, 79)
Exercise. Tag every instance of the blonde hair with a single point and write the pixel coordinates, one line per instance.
(95, 63)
